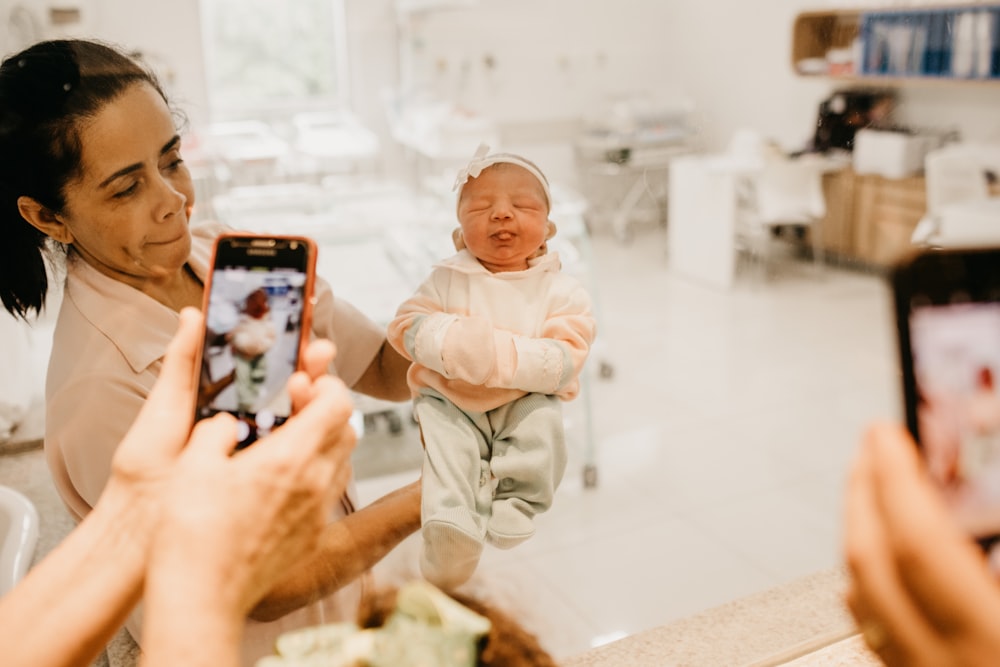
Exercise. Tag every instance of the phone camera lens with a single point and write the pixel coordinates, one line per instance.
(960, 296)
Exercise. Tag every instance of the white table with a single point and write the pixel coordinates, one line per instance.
(701, 214)
(702, 198)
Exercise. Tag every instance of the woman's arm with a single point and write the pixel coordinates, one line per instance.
(348, 548)
(385, 376)
(205, 532)
(69, 605)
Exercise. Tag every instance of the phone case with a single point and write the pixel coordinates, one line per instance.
(258, 314)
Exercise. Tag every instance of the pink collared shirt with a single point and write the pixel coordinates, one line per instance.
(107, 351)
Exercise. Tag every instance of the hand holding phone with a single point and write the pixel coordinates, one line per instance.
(948, 317)
(257, 320)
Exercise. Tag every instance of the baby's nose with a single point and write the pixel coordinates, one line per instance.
(502, 211)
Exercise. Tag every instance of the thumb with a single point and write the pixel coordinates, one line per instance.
(179, 377)
(317, 356)
(169, 410)
(216, 436)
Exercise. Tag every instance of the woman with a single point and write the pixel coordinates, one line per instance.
(92, 166)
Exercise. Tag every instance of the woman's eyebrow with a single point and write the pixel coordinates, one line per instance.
(167, 147)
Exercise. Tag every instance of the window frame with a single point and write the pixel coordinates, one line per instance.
(280, 107)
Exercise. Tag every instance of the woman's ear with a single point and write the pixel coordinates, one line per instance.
(44, 220)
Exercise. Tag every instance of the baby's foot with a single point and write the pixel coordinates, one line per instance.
(510, 523)
(450, 554)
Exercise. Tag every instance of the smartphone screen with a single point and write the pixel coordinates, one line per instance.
(256, 316)
(949, 315)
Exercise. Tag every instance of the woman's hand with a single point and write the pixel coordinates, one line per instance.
(145, 459)
(252, 513)
(231, 525)
(920, 588)
(242, 521)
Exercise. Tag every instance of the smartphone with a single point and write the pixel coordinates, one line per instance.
(948, 315)
(258, 311)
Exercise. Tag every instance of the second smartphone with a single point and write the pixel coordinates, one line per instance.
(258, 312)
(948, 316)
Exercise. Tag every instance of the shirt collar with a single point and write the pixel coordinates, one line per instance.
(137, 324)
(465, 262)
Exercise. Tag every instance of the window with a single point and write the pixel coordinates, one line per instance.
(266, 58)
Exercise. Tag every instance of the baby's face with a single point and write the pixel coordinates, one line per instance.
(257, 305)
(504, 215)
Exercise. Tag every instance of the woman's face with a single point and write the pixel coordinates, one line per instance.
(127, 213)
(504, 216)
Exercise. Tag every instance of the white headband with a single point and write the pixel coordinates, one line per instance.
(481, 160)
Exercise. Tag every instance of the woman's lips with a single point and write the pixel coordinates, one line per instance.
(168, 241)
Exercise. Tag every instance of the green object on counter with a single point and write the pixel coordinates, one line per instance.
(427, 629)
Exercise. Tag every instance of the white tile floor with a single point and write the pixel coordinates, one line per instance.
(721, 443)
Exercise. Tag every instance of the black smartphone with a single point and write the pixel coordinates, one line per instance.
(257, 320)
(948, 316)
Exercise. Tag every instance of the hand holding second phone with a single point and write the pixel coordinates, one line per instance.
(920, 589)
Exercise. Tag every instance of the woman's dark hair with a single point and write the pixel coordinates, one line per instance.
(46, 91)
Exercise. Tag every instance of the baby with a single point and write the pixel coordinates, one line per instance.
(250, 339)
(498, 336)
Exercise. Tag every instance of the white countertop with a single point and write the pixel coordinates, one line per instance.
(801, 623)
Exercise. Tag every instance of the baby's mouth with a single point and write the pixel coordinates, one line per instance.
(503, 236)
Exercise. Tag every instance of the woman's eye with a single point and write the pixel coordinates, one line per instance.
(173, 160)
(121, 194)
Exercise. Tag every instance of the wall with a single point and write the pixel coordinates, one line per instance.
(550, 62)
(969, 108)
(562, 58)
(371, 36)
(169, 35)
(734, 58)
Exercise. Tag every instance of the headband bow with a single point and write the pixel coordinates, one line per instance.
(475, 167)
(483, 159)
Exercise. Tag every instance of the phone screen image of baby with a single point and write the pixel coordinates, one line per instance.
(254, 322)
(956, 355)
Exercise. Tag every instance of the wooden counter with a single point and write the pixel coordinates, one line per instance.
(869, 218)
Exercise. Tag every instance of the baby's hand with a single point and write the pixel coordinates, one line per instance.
(468, 351)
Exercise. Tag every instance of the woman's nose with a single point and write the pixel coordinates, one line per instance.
(171, 200)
